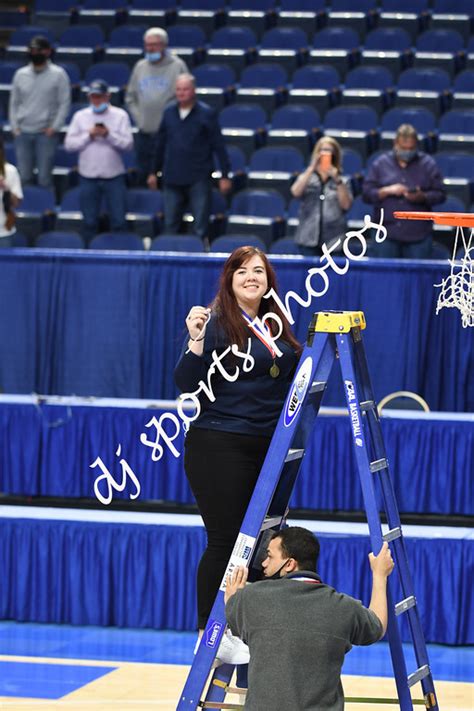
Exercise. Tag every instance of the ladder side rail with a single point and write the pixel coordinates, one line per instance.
(351, 389)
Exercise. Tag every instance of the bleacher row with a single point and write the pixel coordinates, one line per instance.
(281, 74)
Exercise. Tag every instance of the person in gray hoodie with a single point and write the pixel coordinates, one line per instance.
(150, 89)
(299, 629)
(39, 103)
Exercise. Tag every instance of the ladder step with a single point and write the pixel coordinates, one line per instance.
(418, 675)
(294, 454)
(317, 386)
(392, 534)
(366, 405)
(378, 464)
(219, 705)
(405, 604)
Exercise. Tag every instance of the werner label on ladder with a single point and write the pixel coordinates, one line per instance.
(333, 336)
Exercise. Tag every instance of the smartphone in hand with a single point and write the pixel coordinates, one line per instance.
(325, 161)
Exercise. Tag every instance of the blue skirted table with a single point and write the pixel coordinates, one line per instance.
(47, 447)
(138, 570)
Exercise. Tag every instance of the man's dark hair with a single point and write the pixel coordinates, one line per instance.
(300, 544)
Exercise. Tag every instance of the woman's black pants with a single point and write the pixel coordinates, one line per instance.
(222, 469)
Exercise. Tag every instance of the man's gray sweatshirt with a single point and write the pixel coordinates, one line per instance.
(150, 88)
(39, 99)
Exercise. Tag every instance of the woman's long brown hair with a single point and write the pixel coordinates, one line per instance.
(227, 310)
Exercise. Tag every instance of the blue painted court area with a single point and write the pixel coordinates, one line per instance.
(45, 681)
(163, 647)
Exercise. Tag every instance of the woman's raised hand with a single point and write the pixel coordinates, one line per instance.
(196, 320)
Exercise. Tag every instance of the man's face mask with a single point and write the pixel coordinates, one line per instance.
(153, 56)
(405, 155)
(37, 58)
(100, 108)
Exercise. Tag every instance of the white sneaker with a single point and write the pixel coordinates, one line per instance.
(232, 650)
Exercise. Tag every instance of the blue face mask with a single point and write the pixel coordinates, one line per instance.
(153, 56)
(100, 108)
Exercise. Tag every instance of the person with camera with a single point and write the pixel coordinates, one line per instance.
(100, 133)
(325, 198)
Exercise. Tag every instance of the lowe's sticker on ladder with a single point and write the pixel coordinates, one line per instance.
(240, 555)
(298, 391)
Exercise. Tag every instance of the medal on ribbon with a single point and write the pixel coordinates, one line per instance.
(262, 332)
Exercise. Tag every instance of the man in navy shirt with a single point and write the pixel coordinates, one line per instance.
(404, 179)
(188, 137)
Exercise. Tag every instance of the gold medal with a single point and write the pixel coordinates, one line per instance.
(274, 370)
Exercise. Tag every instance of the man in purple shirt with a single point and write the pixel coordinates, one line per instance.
(100, 133)
(404, 179)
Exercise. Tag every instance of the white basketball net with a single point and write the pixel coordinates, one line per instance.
(457, 290)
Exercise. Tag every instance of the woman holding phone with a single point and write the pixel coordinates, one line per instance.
(325, 198)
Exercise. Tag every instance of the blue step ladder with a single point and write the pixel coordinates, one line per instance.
(332, 336)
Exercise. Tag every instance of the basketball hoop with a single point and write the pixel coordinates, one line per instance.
(457, 289)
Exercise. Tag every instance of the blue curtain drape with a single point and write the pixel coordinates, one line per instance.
(112, 325)
(144, 576)
(46, 450)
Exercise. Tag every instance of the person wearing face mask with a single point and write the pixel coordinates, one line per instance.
(325, 198)
(40, 98)
(100, 133)
(404, 178)
(149, 90)
(298, 628)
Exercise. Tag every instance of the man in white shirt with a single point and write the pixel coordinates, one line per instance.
(100, 133)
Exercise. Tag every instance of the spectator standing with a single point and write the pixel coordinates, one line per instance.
(39, 103)
(404, 178)
(10, 195)
(150, 89)
(325, 198)
(100, 133)
(188, 138)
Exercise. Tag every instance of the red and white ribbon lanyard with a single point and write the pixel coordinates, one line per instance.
(262, 333)
(304, 579)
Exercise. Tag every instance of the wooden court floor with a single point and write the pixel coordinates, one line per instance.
(141, 687)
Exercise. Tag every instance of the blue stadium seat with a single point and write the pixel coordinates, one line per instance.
(69, 218)
(215, 83)
(370, 85)
(263, 84)
(453, 15)
(54, 5)
(187, 41)
(7, 70)
(23, 36)
(37, 211)
(440, 48)
(74, 73)
(351, 162)
(410, 15)
(117, 240)
(273, 168)
(285, 245)
(295, 125)
(65, 173)
(360, 16)
(244, 125)
(177, 243)
(336, 46)
(456, 130)
(55, 239)
(463, 90)
(82, 44)
(286, 45)
(356, 213)
(390, 47)
(144, 210)
(19, 240)
(317, 85)
(422, 119)
(256, 14)
(428, 88)
(232, 45)
(126, 44)
(353, 126)
(302, 13)
(227, 243)
(206, 14)
(292, 217)
(260, 212)
(116, 74)
(108, 12)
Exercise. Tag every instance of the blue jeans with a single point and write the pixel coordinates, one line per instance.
(92, 192)
(36, 150)
(391, 249)
(175, 199)
(145, 155)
